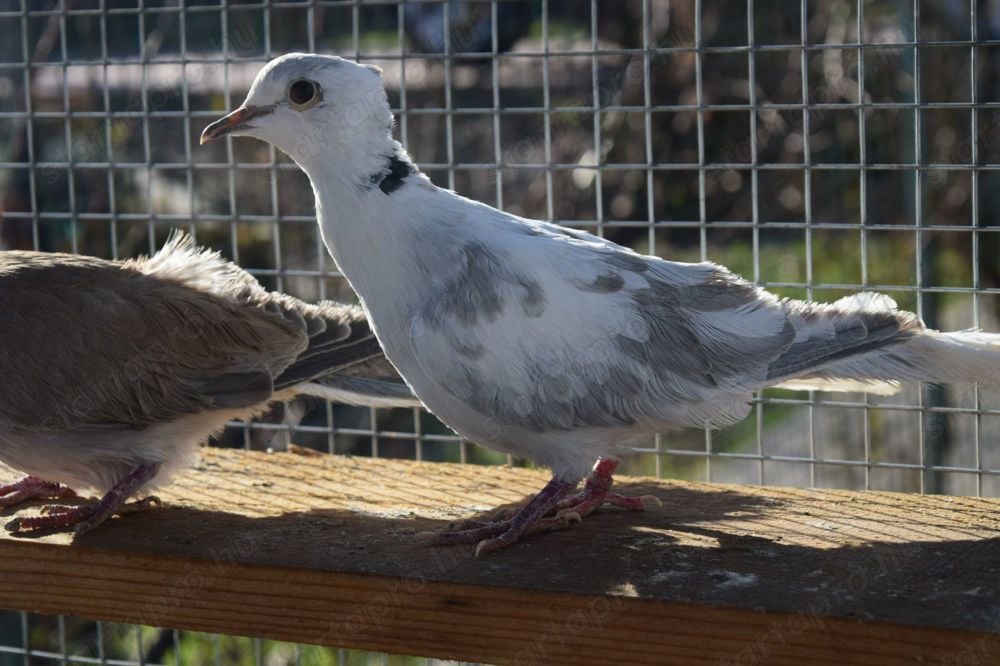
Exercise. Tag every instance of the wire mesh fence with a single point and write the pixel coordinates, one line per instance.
(820, 148)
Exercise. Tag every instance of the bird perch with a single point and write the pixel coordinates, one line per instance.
(325, 550)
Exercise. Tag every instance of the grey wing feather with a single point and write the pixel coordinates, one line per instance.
(354, 342)
(338, 334)
(385, 388)
(852, 326)
(87, 343)
(644, 342)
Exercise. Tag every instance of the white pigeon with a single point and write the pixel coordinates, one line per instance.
(113, 372)
(550, 343)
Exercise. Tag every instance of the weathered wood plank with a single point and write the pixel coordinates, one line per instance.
(324, 550)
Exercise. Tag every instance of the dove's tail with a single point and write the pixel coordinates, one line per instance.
(863, 343)
(361, 391)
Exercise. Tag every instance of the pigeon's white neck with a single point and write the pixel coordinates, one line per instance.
(364, 200)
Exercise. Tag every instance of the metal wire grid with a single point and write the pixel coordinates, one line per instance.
(255, 650)
(757, 462)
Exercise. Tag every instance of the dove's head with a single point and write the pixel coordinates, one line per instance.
(311, 105)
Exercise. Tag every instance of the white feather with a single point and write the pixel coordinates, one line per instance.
(356, 398)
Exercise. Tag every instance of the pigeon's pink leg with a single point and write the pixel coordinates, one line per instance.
(547, 511)
(597, 492)
(88, 516)
(530, 518)
(29, 488)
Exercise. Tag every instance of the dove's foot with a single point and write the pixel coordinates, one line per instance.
(29, 488)
(546, 512)
(82, 518)
(86, 517)
(532, 517)
(597, 492)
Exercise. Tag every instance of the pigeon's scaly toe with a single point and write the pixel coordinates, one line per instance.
(549, 524)
(548, 511)
(468, 532)
(585, 503)
(497, 516)
(86, 517)
(597, 492)
(30, 488)
(54, 517)
(81, 518)
(98, 517)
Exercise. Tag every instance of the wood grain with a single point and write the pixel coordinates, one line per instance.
(325, 550)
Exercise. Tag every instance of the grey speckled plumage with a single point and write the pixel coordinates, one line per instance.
(106, 365)
(551, 343)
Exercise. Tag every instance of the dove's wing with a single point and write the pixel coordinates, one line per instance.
(339, 335)
(87, 343)
(640, 341)
(347, 343)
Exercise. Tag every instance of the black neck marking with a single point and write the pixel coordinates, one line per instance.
(391, 177)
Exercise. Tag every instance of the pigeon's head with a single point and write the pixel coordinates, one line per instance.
(308, 105)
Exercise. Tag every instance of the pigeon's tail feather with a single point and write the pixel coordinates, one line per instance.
(930, 356)
(841, 385)
(863, 342)
(361, 391)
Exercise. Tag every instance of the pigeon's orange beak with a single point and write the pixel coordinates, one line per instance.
(237, 120)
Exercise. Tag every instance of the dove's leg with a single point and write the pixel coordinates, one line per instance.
(547, 511)
(88, 516)
(29, 488)
(528, 519)
(597, 492)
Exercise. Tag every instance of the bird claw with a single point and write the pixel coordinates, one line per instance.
(569, 516)
(553, 521)
(427, 536)
(140, 505)
(483, 547)
(651, 501)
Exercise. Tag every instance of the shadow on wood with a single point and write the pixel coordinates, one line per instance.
(324, 550)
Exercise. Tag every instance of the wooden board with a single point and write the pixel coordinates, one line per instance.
(325, 550)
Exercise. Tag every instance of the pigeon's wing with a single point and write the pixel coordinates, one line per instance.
(551, 329)
(86, 343)
(554, 329)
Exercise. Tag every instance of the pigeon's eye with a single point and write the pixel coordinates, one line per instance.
(303, 93)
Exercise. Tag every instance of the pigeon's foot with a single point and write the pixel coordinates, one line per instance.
(597, 492)
(549, 510)
(81, 518)
(86, 517)
(494, 535)
(494, 518)
(29, 488)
